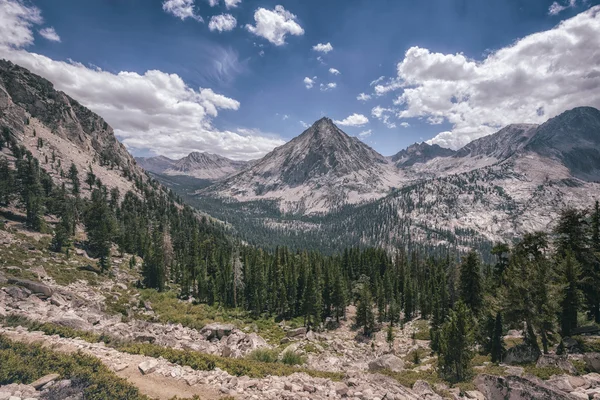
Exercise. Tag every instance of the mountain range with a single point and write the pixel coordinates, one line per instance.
(196, 164)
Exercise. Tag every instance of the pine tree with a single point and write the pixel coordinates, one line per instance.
(571, 295)
(456, 344)
(365, 317)
(100, 227)
(6, 182)
(471, 288)
(154, 268)
(390, 336)
(74, 178)
(497, 347)
(596, 227)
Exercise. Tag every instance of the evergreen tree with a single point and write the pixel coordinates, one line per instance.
(365, 317)
(100, 227)
(571, 295)
(497, 347)
(154, 267)
(471, 287)
(596, 227)
(456, 344)
(74, 178)
(390, 336)
(6, 182)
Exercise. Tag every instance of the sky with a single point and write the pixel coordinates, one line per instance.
(241, 77)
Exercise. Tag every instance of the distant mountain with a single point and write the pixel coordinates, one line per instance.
(420, 153)
(502, 144)
(321, 169)
(196, 164)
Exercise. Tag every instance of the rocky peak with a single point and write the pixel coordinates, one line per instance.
(420, 153)
(502, 144)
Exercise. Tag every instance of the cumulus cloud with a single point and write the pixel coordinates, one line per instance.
(353, 120)
(533, 79)
(363, 97)
(405, 124)
(328, 86)
(222, 23)
(17, 21)
(365, 134)
(376, 81)
(275, 25)
(334, 71)
(323, 47)
(304, 124)
(50, 34)
(181, 9)
(154, 111)
(232, 3)
(309, 82)
(384, 115)
(213, 3)
(556, 8)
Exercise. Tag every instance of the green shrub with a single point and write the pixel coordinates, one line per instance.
(291, 358)
(264, 355)
(24, 363)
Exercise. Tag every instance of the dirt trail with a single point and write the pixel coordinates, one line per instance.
(153, 385)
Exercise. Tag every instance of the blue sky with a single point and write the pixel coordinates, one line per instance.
(369, 39)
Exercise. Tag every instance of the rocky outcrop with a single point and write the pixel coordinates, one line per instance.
(551, 360)
(517, 388)
(35, 287)
(44, 380)
(592, 361)
(216, 331)
(522, 354)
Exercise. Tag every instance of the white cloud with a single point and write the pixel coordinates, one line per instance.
(334, 71)
(365, 134)
(535, 78)
(274, 25)
(328, 86)
(222, 23)
(232, 3)
(390, 86)
(376, 81)
(405, 124)
(181, 9)
(384, 115)
(320, 59)
(16, 21)
(323, 47)
(353, 120)
(213, 3)
(304, 124)
(154, 111)
(309, 83)
(50, 34)
(363, 97)
(556, 8)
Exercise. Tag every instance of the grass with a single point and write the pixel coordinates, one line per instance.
(422, 330)
(25, 363)
(409, 377)
(264, 355)
(588, 345)
(291, 358)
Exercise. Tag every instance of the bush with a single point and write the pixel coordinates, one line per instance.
(264, 355)
(291, 358)
(24, 363)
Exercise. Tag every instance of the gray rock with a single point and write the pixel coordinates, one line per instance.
(424, 390)
(58, 300)
(561, 382)
(388, 361)
(294, 333)
(216, 330)
(522, 354)
(592, 361)
(35, 287)
(73, 321)
(551, 360)
(148, 367)
(43, 381)
(517, 388)
(17, 293)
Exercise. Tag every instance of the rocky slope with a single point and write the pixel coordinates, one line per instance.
(321, 169)
(419, 153)
(196, 164)
(60, 131)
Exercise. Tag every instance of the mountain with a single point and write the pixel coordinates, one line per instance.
(196, 164)
(319, 170)
(59, 130)
(494, 189)
(572, 138)
(420, 153)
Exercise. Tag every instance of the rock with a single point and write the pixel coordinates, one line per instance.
(424, 390)
(474, 394)
(148, 306)
(561, 382)
(121, 285)
(517, 388)
(148, 367)
(120, 367)
(341, 389)
(522, 354)
(515, 371)
(388, 361)
(73, 321)
(44, 380)
(593, 379)
(578, 382)
(145, 339)
(550, 360)
(4, 395)
(36, 287)
(579, 395)
(58, 300)
(17, 293)
(294, 333)
(592, 361)
(513, 333)
(216, 330)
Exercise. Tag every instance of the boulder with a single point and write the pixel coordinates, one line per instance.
(551, 360)
(592, 361)
(148, 367)
(216, 330)
(424, 391)
(73, 321)
(17, 293)
(522, 354)
(296, 332)
(43, 381)
(388, 361)
(517, 388)
(561, 382)
(58, 300)
(38, 288)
